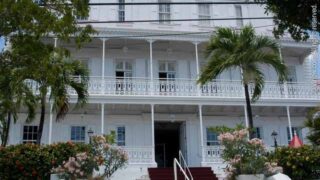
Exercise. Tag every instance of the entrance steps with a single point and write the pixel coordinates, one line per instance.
(198, 173)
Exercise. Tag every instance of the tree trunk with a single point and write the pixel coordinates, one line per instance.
(249, 110)
(42, 117)
(6, 130)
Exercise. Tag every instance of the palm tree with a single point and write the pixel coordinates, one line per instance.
(56, 76)
(14, 94)
(244, 49)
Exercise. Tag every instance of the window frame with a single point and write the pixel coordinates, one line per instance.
(123, 141)
(239, 22)
(121, 11)
(84, 134)
(215, 141)
(170, 74)
(28, 140)
(164, 12)
(202, 15)
(127, 73)
(258, 132)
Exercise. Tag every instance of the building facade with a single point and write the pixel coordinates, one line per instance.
(143, 86)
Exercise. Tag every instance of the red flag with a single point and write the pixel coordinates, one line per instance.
(295, 142)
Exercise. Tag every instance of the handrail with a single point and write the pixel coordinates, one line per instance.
(175, 163)
(184, 163)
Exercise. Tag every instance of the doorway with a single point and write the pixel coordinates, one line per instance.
(168, 140)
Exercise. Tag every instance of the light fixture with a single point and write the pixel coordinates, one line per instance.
(274, 134)
(90, 134)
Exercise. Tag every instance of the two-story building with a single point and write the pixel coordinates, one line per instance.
(143, 86)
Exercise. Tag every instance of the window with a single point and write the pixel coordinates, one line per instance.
(78, 134)
(204, 13)
(40, 2)
(167, 70)
(292, 74)
(30, 134)
(123, 69)
(258, 133)
(239, 15)
(164, 12)
(297, 130)
(121, 136)
(212, 138)
(121, 11)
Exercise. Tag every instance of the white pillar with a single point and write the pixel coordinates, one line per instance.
(152, 132)
(198, 66)
(102, 118)
(55, 42)
(285, 84)
(201, 134)
(50, 124)
(289, 122)
(197, 57)
(103, 56)
(246, 116)
(51, 106)
(151, 66)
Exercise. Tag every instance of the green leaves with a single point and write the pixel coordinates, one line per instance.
(294, 17)
(228, 49)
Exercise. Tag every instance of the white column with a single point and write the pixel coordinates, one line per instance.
(51, 107)
(103, 56)
(55, 42)
(246, 116)
(152, 132)
(50, 124)
(198, 65)
(102, 118)
(289, 122)
(151, 66)
(201, 134)
(197, 57)
(285, 84)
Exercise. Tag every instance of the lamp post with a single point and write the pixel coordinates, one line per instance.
(274, 134)
(90, 133)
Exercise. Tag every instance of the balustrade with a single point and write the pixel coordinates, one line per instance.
(212, 154)
(139, 155)
(189, 88)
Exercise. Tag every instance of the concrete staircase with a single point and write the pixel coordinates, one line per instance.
(198, 173)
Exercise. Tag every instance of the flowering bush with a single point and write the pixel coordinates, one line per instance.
(82, 165)
(115, 157)
(30, 161)
(244, 156)
(298, 163)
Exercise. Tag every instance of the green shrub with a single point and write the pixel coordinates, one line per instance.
(298, 163)
(30, 161)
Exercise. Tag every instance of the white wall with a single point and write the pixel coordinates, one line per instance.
(185, 64)
(138, 128)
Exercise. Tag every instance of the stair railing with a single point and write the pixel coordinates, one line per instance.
(175, 164)
(184, 164)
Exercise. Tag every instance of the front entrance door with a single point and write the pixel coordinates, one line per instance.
(167, 141)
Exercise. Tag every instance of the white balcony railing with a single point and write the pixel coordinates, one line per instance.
(139, 155)
(212, 154)
(189, 88)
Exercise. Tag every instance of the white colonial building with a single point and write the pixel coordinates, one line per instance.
(143, 86)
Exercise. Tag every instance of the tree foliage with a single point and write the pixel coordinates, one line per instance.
(25, 24)
(313, 123)
(244, 50)
(294, 16)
